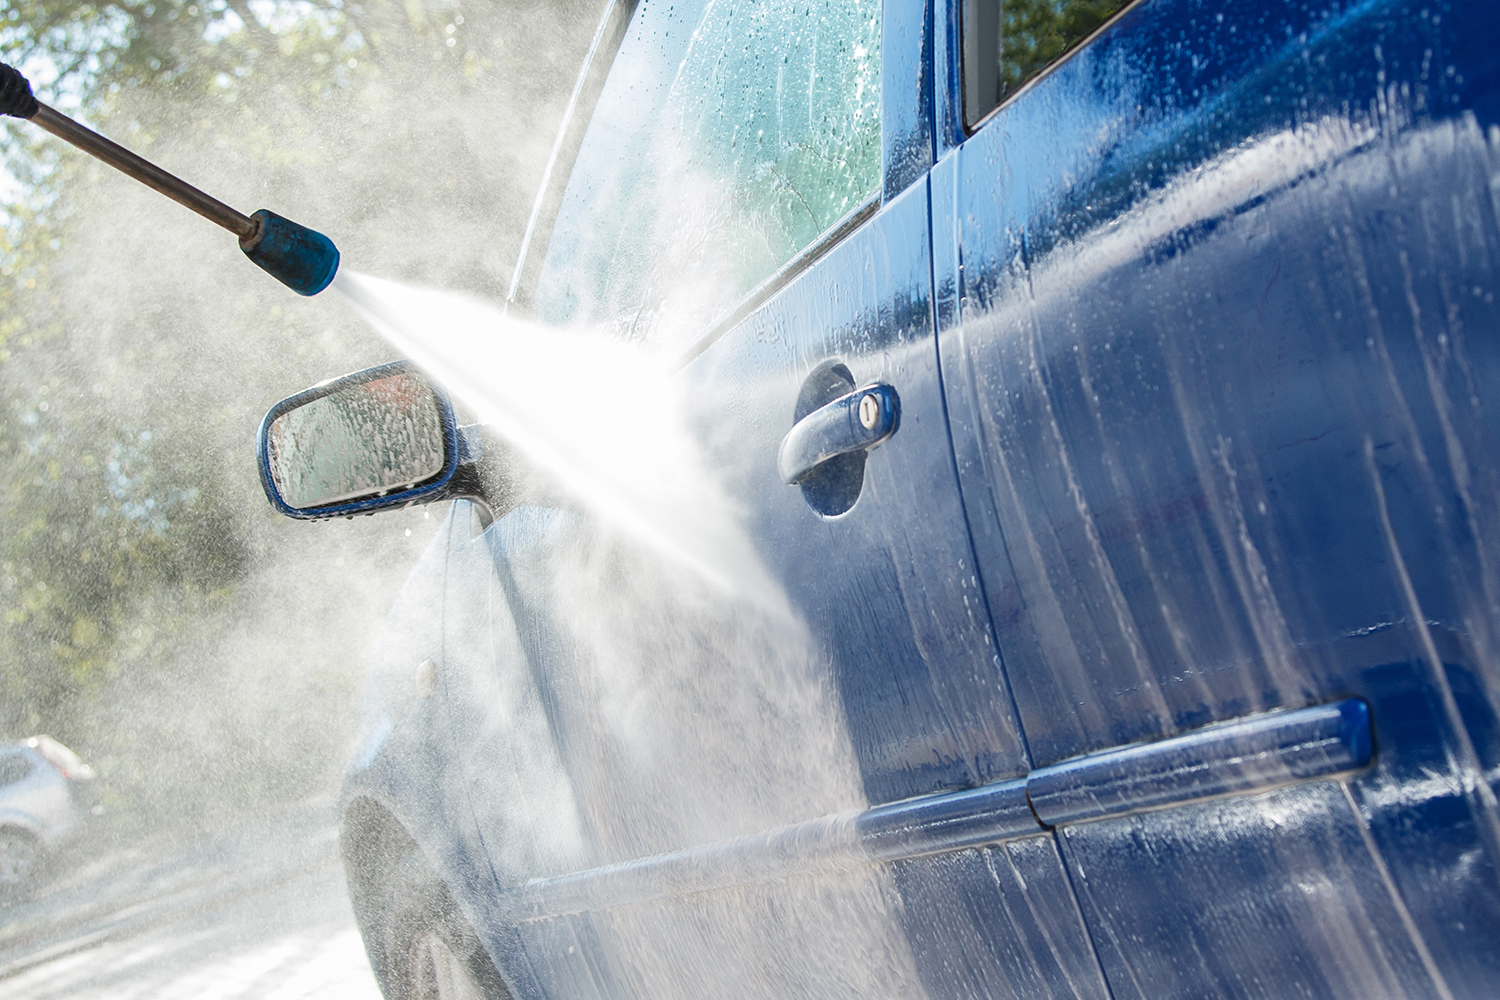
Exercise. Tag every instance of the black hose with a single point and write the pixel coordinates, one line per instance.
(16, 99)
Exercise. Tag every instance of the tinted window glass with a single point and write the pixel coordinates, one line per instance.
(14, 767)
(730, 135)
(1007, 42)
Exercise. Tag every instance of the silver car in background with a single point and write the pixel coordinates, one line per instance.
(47, 796)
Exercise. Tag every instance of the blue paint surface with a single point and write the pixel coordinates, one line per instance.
(1218, 337)
(1164, 633)
(901, 618)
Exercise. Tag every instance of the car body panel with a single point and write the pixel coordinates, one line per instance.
(887, 587)
(572, 786)
(402, 760)
(1217, 319)
(1194, 442)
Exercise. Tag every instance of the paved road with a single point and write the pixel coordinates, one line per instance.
(257, 913)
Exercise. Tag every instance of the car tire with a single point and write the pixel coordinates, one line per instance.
(21, 863)
(431, 951)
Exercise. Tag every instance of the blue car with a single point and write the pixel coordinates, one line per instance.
(1094, 407)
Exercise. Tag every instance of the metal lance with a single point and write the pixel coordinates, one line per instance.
(302, 259)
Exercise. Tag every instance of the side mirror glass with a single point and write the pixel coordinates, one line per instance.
(383, 437)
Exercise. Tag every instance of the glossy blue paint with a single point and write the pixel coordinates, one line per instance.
(906, 135)
(1424, 827)
(999, 922)
(1268, 896)
(901, 620)
(401, 760)
(1255, 754)
(1216, 321)
(838, 428)
(1185, 549)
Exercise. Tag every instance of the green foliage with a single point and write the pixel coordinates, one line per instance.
(151, 607)
(1034, 33)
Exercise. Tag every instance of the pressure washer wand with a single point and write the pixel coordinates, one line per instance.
(302, 259)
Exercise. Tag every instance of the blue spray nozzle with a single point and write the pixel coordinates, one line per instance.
(302, 259)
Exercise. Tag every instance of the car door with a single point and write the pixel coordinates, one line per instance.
(1218, 338)
(806, 783)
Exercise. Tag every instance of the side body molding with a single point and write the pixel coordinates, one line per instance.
(1256, 754)
(951, 821)
(1245, 756)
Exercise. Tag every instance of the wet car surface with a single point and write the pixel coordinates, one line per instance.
(1104, 491)
(960, 499)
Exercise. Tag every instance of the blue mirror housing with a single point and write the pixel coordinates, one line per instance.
(330, 451)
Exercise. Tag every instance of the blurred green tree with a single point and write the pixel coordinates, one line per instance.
(1035, 33)
(147, 595)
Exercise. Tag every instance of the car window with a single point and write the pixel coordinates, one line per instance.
(14, 767)
(729, 137)
(1007, 42)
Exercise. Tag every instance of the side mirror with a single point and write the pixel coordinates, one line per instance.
(384, 437)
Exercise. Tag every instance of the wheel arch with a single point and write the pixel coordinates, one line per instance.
(395, 889)
(371, 839)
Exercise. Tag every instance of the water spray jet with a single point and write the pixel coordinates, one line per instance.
(302, 259)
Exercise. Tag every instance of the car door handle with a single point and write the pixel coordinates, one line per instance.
(855, 421)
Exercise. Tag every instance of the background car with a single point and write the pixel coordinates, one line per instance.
(47, 797)
(1092, 404)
